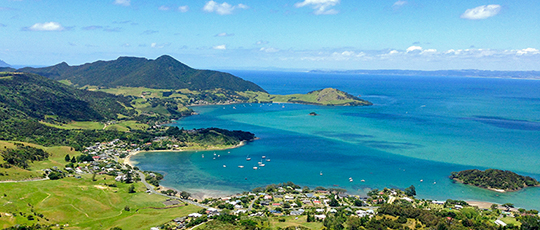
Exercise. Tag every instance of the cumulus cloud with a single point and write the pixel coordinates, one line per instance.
(220, 47)
(223, 8)
(320, 6)
(47, 26)
(414, 48)
(164, 8)
(481, 12)
(223, 35)
(183, 9)
(527, 51)
(122, 2)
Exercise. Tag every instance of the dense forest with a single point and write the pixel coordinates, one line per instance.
(494, 179)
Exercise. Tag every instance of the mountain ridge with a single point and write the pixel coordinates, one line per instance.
(164, 72)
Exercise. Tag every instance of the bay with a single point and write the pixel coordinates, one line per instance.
(419, 130)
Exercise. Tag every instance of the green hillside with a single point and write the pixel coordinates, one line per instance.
(29, 95)
(327, 97)
(164, 72)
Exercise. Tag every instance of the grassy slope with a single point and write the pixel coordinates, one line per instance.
(56, 158)
(85, 204)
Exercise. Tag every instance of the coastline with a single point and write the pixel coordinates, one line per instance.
(127, 159)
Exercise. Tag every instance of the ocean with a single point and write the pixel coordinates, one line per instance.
(419, 130)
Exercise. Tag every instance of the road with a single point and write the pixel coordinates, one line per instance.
(153, 191)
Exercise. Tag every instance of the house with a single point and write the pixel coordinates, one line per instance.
(361, 213)
(267, 197)
(438, 202)
(211, 211)
(195, 215)
(297, 213)
(317, 202)
(289, 197)
(333, 211)
(457, 206)
(320, 217)
(319, 210)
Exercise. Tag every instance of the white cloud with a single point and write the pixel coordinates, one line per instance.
(399, 3)
(481, 12)
(220, 47)
(223, 8)
(183, 9)
(122, 2)
(414, 48)
(261, 42)
(527, 51)
(269, 50)
(393, 52)
(223, 35)
(47, 26)
(164, 8)
(320, 6)
(429, 51)
(160, 45)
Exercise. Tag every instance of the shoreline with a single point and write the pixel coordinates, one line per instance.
(127, 159)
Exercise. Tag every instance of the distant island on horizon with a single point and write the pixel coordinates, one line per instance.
(456, 73)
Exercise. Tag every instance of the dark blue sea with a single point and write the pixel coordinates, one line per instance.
(419, 130)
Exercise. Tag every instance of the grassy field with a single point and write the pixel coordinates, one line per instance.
(84, 204)
(77, 125)
(291, 221)
(56, 158)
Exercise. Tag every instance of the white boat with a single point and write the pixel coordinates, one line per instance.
(363, 180)
(240, 166)
(268, 160)
(263, 157)
(224, 166)
(255, 167)
(203, 156)
(320, 173)
(248, 159)
(350, 179)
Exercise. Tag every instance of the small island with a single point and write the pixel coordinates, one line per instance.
(323, 97)
(313, 114)
(494, 179)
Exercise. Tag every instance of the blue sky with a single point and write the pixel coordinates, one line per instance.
(284, 34)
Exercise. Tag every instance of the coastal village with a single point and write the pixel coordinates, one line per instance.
(284, 203)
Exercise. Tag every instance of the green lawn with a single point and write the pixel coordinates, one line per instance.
(84, 204)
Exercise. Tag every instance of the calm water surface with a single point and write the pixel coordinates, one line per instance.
(419, 131)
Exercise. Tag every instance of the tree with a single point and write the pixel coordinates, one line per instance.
(508, 206)
(185, 194)
(131, 188)
(333, 202)
(67, 158)
(494, 206)
(410, 191)
(73, 160)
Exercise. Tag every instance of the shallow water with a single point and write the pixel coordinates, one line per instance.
(419, 131)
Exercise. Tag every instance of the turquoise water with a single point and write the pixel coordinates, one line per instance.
(419, 131)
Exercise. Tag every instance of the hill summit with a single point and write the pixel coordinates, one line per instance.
(4, 64)
(164, 72)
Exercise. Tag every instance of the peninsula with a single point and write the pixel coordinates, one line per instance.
(494, 179)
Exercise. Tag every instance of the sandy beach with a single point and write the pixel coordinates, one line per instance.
(127, 159)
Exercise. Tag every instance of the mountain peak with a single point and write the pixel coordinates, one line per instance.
(3, 64)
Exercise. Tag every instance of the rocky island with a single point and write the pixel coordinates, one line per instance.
(494, 179)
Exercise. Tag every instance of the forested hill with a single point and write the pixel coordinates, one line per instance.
(25, 95)
(494, 179)
(164, 72)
